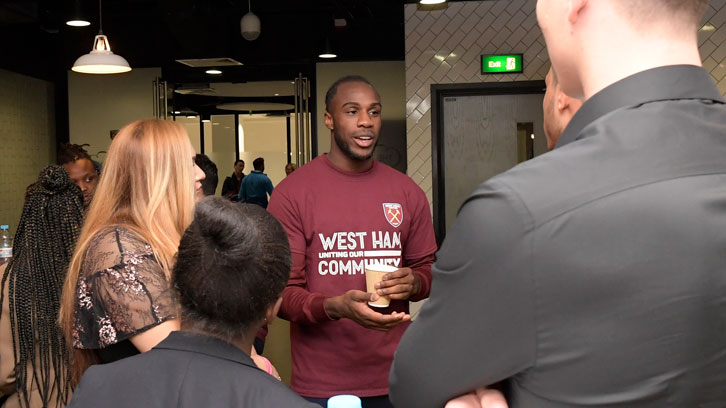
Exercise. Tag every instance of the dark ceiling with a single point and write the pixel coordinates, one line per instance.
(35, 41)
(154, 33)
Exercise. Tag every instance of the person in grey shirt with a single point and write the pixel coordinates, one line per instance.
(232, 265)
(593, 275)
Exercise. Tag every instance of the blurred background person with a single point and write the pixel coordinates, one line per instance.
(232, 184)
(211, 180)
(34, 359)
(116, 299)
(256, 186)
(232, 265)
(558, 109)
(289, 168)
(80, 167)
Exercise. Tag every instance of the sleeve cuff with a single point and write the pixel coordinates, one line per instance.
(317, 309)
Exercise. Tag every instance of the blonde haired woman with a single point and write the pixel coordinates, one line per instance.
(116, 300)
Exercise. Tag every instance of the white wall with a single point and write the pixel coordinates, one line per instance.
(266, 137)
(98, 104)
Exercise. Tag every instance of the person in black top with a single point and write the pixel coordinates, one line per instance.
(232, 184)
(210, 181)
(232, 265)
(593, 275)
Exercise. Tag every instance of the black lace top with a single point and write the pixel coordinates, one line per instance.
(122, 291)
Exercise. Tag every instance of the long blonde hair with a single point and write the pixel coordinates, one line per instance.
(146, 186)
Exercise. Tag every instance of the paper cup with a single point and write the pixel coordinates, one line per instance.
(374, 273)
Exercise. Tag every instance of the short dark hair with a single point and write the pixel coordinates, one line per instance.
(333, 90)
(209, 184)
(239, 160)
(69, 153)
(259, 163)
(233, 263)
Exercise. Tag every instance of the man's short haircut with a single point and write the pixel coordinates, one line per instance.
(233, 263)
(641, 11)
(69, 153)
(258, 163)
(333, 90)
(209, 184)
(239, 160)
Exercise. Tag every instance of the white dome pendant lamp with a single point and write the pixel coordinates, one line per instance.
(101, 60)
(250, 24)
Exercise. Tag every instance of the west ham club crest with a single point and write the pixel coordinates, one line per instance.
(393, 213)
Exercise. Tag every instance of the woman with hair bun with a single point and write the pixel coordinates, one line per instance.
(232, 265)
(34, 359)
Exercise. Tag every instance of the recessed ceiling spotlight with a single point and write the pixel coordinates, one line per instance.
(191, 116)
(431, 1)
(213, 72)
(177, 112)
(277, 94)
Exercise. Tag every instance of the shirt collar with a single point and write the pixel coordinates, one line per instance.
(657, 84)
(199, 343)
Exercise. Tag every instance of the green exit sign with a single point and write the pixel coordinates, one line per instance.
(501, 64)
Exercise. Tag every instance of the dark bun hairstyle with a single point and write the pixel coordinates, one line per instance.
(233, 263)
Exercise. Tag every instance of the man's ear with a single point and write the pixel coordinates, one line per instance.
(576, 7)
(563, 101)
(329, 121)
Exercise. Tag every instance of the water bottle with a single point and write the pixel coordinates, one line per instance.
(6, 244)
(344, 401)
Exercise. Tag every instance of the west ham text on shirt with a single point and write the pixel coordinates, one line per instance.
(376, 247)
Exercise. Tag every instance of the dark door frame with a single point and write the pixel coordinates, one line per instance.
(438, 93)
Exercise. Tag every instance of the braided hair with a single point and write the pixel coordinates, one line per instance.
(49, 225)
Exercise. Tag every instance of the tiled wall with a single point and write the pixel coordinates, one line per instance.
(443, 47)
(27, 139)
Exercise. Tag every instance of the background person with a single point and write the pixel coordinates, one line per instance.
(232, 266)
(210, 180)
(232, 184)
(558, 109)
(81, 169)
(116, 298)
(256, 186)
(289, 168)
(595, 271)
(34, 358)
(341, 210)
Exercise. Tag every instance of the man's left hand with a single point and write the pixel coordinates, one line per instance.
(399, 285)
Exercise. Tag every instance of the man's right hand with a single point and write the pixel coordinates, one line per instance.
(353, 305)
(479, 398)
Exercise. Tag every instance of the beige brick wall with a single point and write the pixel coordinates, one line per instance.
(443, 47)
(27, 139)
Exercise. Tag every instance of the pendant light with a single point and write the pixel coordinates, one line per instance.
(77, 17)
(250, 24)
(101, 60)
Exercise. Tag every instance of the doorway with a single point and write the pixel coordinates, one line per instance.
(478, 131)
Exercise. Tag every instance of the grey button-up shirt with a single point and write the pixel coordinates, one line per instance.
(593, 275)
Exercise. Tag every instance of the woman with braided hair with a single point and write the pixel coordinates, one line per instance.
(34, 359)
(116, 299)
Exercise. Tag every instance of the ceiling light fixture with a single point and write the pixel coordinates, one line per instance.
(213, 72)
(327, 51)
(250, 24)
(76, 16)
(205, 118)
(101, 60)
(431, 1)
